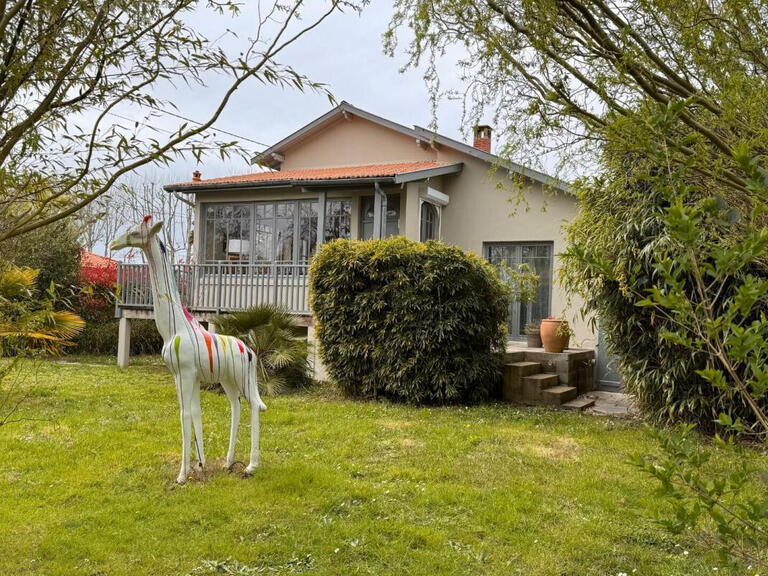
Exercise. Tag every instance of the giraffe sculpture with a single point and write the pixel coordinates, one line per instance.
(194, 355)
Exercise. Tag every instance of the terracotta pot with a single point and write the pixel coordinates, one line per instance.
(533, 340)
(554, 342)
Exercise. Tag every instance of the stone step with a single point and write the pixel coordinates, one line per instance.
(513, 356)
(514, 372)
(581, 403)
(559, 395)
(523, 369)
(535, 384)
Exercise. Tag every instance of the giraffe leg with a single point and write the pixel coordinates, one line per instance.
(197, 423)
(256, 406)
(185, 388)
(234, 401)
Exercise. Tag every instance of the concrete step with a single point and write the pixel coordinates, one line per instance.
(513, 356)
(581, 403)
(535, 384)
(514, 372)
(559, 395)
(523, 369)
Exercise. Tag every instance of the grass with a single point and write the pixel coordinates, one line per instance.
(344, 487)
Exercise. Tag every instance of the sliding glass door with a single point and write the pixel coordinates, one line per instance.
(538, 255)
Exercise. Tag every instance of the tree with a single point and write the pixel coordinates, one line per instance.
(668, 98)
(569, 75)
(651, 92)
(79, 85)
(53, 250)
(129, 201)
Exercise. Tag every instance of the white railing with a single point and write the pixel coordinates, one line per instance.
(222, 286)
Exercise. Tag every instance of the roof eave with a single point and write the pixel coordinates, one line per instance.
(429, 173)
(191, 188)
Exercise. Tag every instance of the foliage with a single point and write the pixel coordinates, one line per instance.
(29, 325)
(282, 354)
(726, 500)
(96, 305)
(53, 250)
(532, 328)
(490, 489)
(523, 282)
(568, 76)
(420, 322)
(81, 85)
(671, 96)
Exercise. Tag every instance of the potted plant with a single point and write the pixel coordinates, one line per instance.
(532, 332)
(555, 334)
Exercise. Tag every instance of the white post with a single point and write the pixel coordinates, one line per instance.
(123, 342)
(211, 327)
(318, 369)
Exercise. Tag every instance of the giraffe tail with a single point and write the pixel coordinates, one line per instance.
(253, 384)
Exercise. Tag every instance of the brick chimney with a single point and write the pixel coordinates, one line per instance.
(196, 176)
(483, 138)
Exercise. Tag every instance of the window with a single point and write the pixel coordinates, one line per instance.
(338, 219)
(307, 230)
(263, 232)
(228, 232)
(393, 216)
(430, 222)
(539, 257)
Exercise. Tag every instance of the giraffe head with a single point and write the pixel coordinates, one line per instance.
(139, 236)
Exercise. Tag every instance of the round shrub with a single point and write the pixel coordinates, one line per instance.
(409, 321)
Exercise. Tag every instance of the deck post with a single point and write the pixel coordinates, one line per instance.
(123, 342)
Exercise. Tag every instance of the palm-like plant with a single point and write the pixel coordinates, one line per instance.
(28, 324)
(282, 355)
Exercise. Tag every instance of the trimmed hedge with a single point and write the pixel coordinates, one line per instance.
(409, 321)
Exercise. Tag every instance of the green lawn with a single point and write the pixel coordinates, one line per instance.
(344, 487)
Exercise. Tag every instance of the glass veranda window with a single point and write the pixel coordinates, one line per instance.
(338, 219)
(393, 216)
(228, 232)
(266, 232)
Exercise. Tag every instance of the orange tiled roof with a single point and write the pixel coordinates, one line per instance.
(338, 173)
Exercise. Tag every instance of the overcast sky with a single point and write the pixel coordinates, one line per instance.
(346, 53)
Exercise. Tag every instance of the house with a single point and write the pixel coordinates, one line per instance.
(352, 174)
(97, 270)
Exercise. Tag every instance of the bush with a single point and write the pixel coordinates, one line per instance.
(97, 307)
(282, 354)
(423, 323)
(615, 241)
(54, 250)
